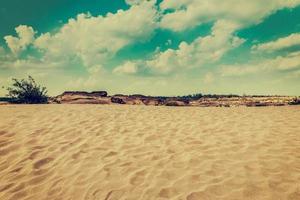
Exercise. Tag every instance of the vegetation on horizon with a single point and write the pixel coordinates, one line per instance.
(5, 99)
(27, 92)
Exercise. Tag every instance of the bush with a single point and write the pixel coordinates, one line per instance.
(5, 99)
(27, 91)
(191, 97)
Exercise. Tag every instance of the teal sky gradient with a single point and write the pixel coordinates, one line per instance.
(145, 57)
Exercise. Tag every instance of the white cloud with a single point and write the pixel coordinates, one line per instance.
(25, 37)
(30, 63)
(209, 78)
(96, 39)
(6, 59)
(87, 83)
(279, 63)
(190, 13)
(240, 70)
(203, 50)
(134, 2)
(291, 61)
(96, 69)
(127, 68)
(281, 43)
(168, 42)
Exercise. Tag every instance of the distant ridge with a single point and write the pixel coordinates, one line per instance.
(201, 100)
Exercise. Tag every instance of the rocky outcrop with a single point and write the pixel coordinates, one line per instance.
(101, 97)
(295, 101)
(88, 94)
(173, 102)
(80, 97)
(117, 100)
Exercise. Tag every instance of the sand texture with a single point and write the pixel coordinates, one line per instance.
(110, 152)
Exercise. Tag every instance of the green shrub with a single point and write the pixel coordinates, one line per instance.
(5, 99)
(27, 91)
(191, 97)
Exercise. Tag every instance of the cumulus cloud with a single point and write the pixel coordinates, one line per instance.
(209, 78)
(291, 61)
(279, 63)
(127, 68)
(94, 39)
(201, 51)
(89, 82)
(279, 44)
(10, 61)
(134, 2)
(31, 63)
(240, 70)
(90, 40)
(96, 69)
(190, 13)
(25, 36)
(7, 59)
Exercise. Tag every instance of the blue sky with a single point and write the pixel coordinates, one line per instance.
(165, 47)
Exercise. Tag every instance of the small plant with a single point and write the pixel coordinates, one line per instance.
(27, 92)
(191, 97)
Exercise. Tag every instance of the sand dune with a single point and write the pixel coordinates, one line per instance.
(138, 152)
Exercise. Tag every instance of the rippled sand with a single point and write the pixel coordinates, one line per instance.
(137, 152)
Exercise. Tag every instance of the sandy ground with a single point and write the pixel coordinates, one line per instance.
(138, 152)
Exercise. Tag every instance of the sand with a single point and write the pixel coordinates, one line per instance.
(144, 152)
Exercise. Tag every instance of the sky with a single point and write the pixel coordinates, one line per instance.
(153, 47)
